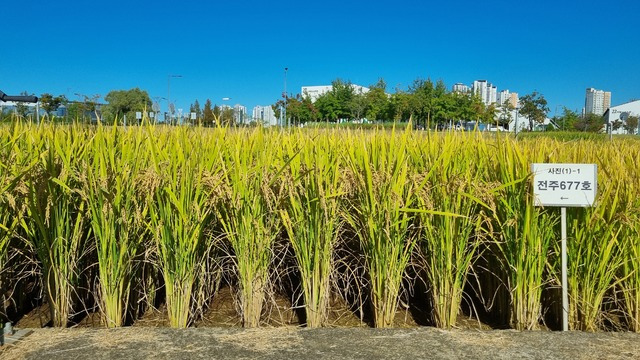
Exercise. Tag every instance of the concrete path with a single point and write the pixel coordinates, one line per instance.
(342, 343)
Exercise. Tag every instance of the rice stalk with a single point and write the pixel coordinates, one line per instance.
(249, 219)
(180, 212)
(377, 212)
(117, 217)
(524, 239)
(55, 224)
(311, 219)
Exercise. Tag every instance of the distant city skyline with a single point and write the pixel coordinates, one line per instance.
(240, 49)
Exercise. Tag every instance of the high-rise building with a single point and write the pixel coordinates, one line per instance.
(488, 92)
(480, 88)
(607, 100)
(597, 101)
(492, 94)
(461, 88)
(240, 114)
(264, 115)
(503, 97)
(513, 99)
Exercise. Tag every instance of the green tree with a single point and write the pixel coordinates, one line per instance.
(328, 107)
(208, 118)
(421, 101)
(616, 125)
(50, 103)
(308, 111)
(568, 120)
(277, 108)
(631, 125)
(217, 112)
(21, 108)
(505, 114)
(226, 116)
(489, 114)
(590, 123)
(195, 108)
(534, 107)
(125, 102)
(343, 93)
(358, 106)
(400, 107)
(378, 102)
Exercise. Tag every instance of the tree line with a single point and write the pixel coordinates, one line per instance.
(429, 104)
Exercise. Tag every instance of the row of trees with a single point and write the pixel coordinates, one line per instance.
(429, 104)
(572, 121)
(212, 114)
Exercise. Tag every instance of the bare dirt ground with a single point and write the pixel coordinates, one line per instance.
(337, 343)
(218, 334)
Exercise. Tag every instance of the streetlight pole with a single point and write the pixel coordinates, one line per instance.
(169, 93)
(285, 97)
(517, 111)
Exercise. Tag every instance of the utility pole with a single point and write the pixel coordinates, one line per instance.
(517, 111)
(285, 97)
(169, 93)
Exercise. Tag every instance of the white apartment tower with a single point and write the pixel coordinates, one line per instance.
(503, 97)
(513, 99)
(264, 115)
(597, 101)
(480, 88)
(488, 93)
(461, 88)
(240, 114)
(492, 94)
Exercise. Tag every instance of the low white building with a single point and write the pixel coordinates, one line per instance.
(621, 113)
(314, 92)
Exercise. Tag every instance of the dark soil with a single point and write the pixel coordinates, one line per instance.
(222, 313)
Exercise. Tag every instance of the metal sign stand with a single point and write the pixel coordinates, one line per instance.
(564, 185)
(565, 285)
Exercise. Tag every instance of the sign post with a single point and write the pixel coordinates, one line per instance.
(564, 185)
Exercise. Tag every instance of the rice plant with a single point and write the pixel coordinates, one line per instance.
(377, 212)
(11, 172)
(9, 213)
(180, 212)
(249, 218)
(524, 236)
(311, 218)
(629, 278)
(449, 228)
(153, 206)
(56, 224)
(594, 259)
(118, 216)
(628, 218)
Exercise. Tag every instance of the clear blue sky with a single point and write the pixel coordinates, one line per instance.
(239, 49)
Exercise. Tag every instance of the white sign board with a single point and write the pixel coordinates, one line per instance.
(193, 116)
(138, 115)
(152, 115)
(564, 185)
